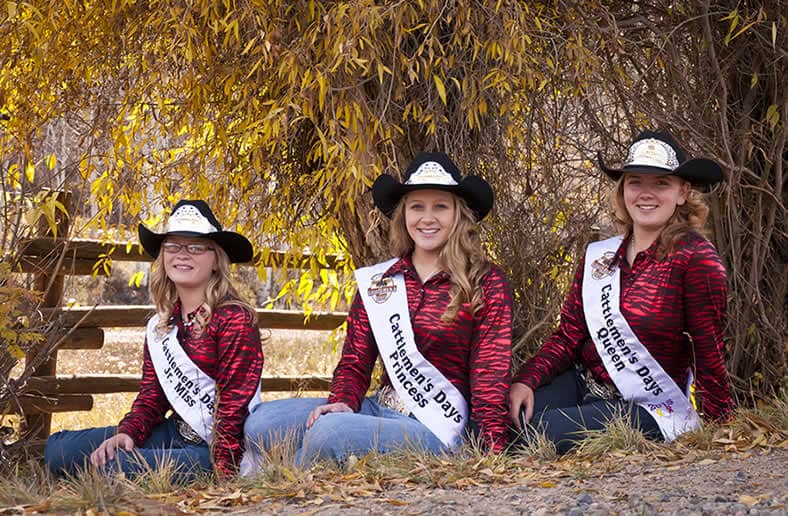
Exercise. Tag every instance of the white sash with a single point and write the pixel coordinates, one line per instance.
(190, 391)
(636, 373)
(422, 388)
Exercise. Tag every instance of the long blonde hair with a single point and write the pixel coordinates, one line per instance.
(690, 216)
(219, 292)
(462, 256)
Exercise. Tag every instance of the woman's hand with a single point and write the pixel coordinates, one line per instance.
(520, 395)
(326, 409)
(106, 450)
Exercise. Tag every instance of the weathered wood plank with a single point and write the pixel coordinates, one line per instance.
(51, 285)
(88, 249)
(106, 383)
(136, 316)
(70, 266)
(83, 384)
(32, 404)
(84, 338)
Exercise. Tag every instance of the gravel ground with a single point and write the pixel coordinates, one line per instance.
(740, 485)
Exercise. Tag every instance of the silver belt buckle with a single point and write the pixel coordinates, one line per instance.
(388, 397)
(600, 390)
(186, 432)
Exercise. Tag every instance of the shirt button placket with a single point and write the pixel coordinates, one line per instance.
(419, 302)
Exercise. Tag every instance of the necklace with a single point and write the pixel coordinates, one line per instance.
(191, 318)
(188, 321)
(632, 248)
(433, 273)
(426, 278)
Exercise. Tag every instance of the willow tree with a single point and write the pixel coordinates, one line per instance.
(282, 113)
(714, 73)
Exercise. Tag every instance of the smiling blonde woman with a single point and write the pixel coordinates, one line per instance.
(202, 361)
(438, 315)
(644, 315)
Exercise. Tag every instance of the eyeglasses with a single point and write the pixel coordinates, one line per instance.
(195, 249)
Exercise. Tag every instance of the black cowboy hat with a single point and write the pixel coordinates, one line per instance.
(195, 219)
(656, 152)
(433, 171)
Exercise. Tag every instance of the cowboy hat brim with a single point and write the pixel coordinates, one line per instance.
(700, 172)
(387, 192)
(237, 247)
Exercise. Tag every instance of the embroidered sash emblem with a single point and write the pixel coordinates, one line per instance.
(603, 267)
(380, 288)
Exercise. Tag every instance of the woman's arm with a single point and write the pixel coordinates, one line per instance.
(555, 356)
(705, 298)
(354, 370)
(149, 407)
(562, 348)
(490, 359)
(239, 367)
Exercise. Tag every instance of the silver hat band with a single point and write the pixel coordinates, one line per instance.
(431, 173)
(651, 152)
(189, 219)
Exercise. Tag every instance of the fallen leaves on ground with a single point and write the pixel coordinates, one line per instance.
(328, 486)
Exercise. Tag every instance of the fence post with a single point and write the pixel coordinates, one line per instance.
(40, 424)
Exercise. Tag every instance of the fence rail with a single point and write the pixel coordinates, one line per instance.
(81, 255)
(48, 392)
(131, 316)
(70, 384)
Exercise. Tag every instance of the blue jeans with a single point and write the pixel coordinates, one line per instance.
(68, 452)
(336, 436)
(565, 410)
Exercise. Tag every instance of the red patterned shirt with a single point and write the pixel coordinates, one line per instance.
(663, 301)
(229, 351)
(473, 353)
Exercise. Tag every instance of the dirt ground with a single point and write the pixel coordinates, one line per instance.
(741, 484)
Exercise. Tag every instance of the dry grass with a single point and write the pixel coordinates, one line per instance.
(776, 409)
(463, 468)
(602, 453)
(25, 483)
(91, 489)
(619, 435)
(164, 477)
(292, 353)
(537, 446)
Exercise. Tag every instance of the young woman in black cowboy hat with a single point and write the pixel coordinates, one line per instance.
(644, 315)
(439, 317)
(202, 361)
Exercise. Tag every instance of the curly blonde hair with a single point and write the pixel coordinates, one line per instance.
(219, 292)
(462, 256)
(690, 216)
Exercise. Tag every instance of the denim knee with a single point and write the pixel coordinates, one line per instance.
(68, 450)
(326, 439)
(54, 453)
(64, 453)
(279, 419)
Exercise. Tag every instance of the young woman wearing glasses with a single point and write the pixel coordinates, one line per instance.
(202, 361)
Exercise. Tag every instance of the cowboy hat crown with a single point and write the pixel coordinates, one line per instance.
(433, 171)
(194, 218)
(657, 152)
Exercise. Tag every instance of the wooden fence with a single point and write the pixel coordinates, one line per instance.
(48, 392)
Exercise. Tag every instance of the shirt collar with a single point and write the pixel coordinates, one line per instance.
(176, 311)
(405, 266)
(177, 316)
(650, 252)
